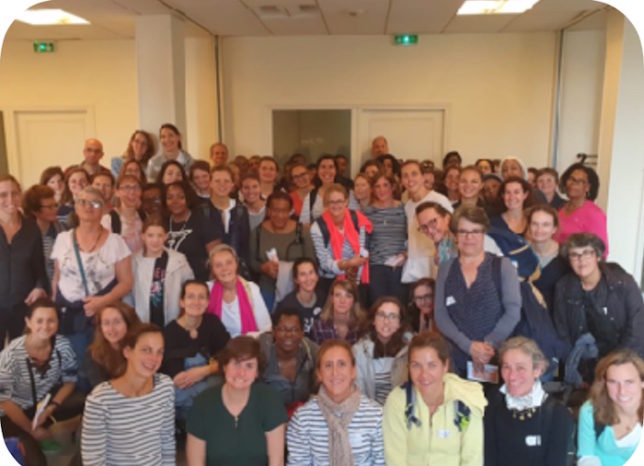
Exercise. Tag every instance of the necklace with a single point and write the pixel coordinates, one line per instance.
(183, 225)
(98, 238)
(525, 414)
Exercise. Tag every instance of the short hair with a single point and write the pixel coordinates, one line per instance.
(199, 165)
(49, 172)
(335, 188)
(303, 260)
(528, 347)
(593, 179)
(546, 209)
(330, 344)
(431, 340)
(440, 210)
(279, 196)
(123, 178)
(411, 162)
(287, 312)
(243, 348)
(222, 247)
(548, 171)
(222, 168)
(603, 407)
(106, 174)
(154, 221)
(581, 240)
(268, 158)
(92, 191)
(249, 176)
(33, 197)
(472, 214)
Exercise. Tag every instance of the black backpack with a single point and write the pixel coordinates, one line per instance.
(325, 230)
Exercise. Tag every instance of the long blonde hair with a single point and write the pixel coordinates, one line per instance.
(356, 315)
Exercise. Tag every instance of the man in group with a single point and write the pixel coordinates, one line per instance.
(92, 154)
(379, 146)
(420, 249)
(219, 154)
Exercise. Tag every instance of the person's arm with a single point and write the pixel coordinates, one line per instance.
(54, 280)
(189, 377)
(586, 437)
(511, 301)
(195, 451)
(472, 442)
(254, 261)
(124, 281)
(262, 317)
(444, 322)
(305, 214)
(16, 414)
(94, 434)
(38, 270)
(394, 429)
(275, 445)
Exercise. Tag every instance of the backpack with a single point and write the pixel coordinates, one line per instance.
(325, 230)
(535, 321)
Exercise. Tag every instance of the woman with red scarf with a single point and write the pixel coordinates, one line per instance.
(339, 238)
(238, 303)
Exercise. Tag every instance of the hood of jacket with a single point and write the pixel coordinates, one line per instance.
(470, 393)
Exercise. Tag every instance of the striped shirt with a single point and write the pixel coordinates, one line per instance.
(307, 435)
(16, 372)
(328, 264)
(382, 378)
(137, 431)
(389, 236)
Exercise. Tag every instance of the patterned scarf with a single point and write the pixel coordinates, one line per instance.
(338, 417)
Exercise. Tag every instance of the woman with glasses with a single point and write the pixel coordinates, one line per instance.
(478, 300)
(381, 355)
(597, 303)
(301, 186)
(580, 214)
(92, 268)
(126, 219)
(421, 305)
(139, 149)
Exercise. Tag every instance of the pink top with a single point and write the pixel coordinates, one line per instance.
(588, 218)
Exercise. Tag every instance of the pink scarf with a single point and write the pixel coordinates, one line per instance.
(336, 239)
(248, 323)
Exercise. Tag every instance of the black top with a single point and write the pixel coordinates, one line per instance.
(211, 338)
(308, 314)
(22, 265)
(543, 437)
(550, 275)
(190, 238)
(238, 235)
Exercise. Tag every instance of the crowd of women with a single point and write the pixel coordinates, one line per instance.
(410, 316)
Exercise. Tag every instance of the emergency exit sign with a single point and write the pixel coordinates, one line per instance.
(43, 47)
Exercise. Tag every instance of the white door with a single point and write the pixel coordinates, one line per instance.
(46, 138)
(411, 133)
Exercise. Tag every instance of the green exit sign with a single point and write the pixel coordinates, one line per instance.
(406, 39)
(43, 47)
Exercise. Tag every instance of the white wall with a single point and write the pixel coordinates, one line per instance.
(497, 88)
(96, 74)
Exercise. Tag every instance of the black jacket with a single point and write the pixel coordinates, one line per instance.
(624, 307)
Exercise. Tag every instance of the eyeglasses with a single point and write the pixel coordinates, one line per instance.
(425, 297)
(585, 254)
(426, 227)
(300, 176)
(88, 203)
(466, 233)
(49, 206)
(391, 317)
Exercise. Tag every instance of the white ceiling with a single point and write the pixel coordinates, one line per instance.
(115, 19)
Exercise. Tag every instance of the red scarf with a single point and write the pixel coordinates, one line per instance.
(247, 317)
(336, 239)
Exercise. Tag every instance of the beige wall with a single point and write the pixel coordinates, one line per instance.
(497, 88)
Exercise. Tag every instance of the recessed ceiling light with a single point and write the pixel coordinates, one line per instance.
(495, 7)
(49, 17)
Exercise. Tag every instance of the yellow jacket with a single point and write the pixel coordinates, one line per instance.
(438, 441)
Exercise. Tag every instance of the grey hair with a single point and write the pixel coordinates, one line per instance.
(528, 347)
(222, 247)
(92, 191)
(581, 240)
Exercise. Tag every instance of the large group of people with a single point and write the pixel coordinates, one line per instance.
(257, 316)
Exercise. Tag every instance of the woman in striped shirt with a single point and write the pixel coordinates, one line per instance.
(130, 419)
(340, 426)
(35, 366)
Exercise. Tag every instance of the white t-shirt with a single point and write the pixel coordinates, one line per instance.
(98, 265)
(231, 315)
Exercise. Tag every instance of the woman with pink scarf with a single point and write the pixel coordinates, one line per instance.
(238, 303)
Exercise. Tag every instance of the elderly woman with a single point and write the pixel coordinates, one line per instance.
(523, 424)
(104, 359)
(597, 298)
(436, 417)
(39, 202)
(340, 425)
(22, 264)
(250, 416)
(92, 268)
(381, 355)
(580, 214)
(388, 242)
(290, 356)
(610, 422)
(342, 318)
(36, 366)
(471, 311)
(171, 149)
(140, 149)
(140, 400)
(274, 245)
(339, 237)
(238, 303)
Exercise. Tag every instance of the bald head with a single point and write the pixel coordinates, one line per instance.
(219, 154)
(92, 151)
(379, 146)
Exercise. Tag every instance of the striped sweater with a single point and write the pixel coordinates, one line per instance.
(307, 435)
(138, 431)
